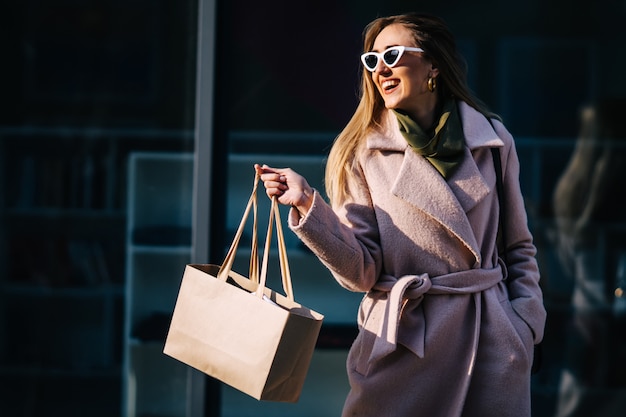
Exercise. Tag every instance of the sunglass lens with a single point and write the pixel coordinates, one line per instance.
(391, 57)
(371, 61)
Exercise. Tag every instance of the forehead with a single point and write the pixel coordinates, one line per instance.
(393, 35)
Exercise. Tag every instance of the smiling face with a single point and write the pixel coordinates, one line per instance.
(405, 86)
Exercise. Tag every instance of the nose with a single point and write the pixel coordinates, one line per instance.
(382, 67)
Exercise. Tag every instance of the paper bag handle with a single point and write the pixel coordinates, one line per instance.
(282, 253)
(230, 255)
(282, 249)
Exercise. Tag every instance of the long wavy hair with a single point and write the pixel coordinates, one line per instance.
(431, 34)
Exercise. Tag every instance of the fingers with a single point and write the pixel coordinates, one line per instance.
(268, 174)
(289, 187)
(264, 170)
(260, 169)
(275, 182)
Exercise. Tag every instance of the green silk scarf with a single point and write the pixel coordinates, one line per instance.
(444, 148)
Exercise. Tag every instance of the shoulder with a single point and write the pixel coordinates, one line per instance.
(481, 132)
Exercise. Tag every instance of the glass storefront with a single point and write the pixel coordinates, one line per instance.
(96, 139)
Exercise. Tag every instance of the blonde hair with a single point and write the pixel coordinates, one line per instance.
(430, 33)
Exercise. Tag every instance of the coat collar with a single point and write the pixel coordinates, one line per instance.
(476, 128)
(445, 201)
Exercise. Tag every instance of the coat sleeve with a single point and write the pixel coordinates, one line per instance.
(345, 239)
(523, 272)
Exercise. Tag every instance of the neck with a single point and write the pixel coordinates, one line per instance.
(427, 113)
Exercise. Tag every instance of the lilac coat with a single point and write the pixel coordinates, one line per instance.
(445, 329)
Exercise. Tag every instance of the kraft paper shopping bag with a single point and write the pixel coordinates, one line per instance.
(240, 332)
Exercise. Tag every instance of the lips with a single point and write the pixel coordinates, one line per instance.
(389, 85)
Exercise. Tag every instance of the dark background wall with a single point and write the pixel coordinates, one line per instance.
(295, 65)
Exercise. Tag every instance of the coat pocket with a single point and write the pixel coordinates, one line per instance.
(522, 331)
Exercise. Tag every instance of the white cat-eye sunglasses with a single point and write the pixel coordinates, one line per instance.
(390, 56)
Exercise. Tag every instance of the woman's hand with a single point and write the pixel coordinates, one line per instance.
(289, 187)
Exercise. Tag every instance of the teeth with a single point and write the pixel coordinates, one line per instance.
(389, 84)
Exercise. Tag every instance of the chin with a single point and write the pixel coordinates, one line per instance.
(394, 104)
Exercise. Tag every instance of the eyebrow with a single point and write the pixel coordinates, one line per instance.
(386, 47)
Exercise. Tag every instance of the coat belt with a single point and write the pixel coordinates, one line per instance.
(382, 309)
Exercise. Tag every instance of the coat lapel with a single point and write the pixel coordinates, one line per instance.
(419, 183)
(432, 195)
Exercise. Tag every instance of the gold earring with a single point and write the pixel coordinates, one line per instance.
(432, 84)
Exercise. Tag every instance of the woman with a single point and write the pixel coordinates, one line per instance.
(445, 328)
